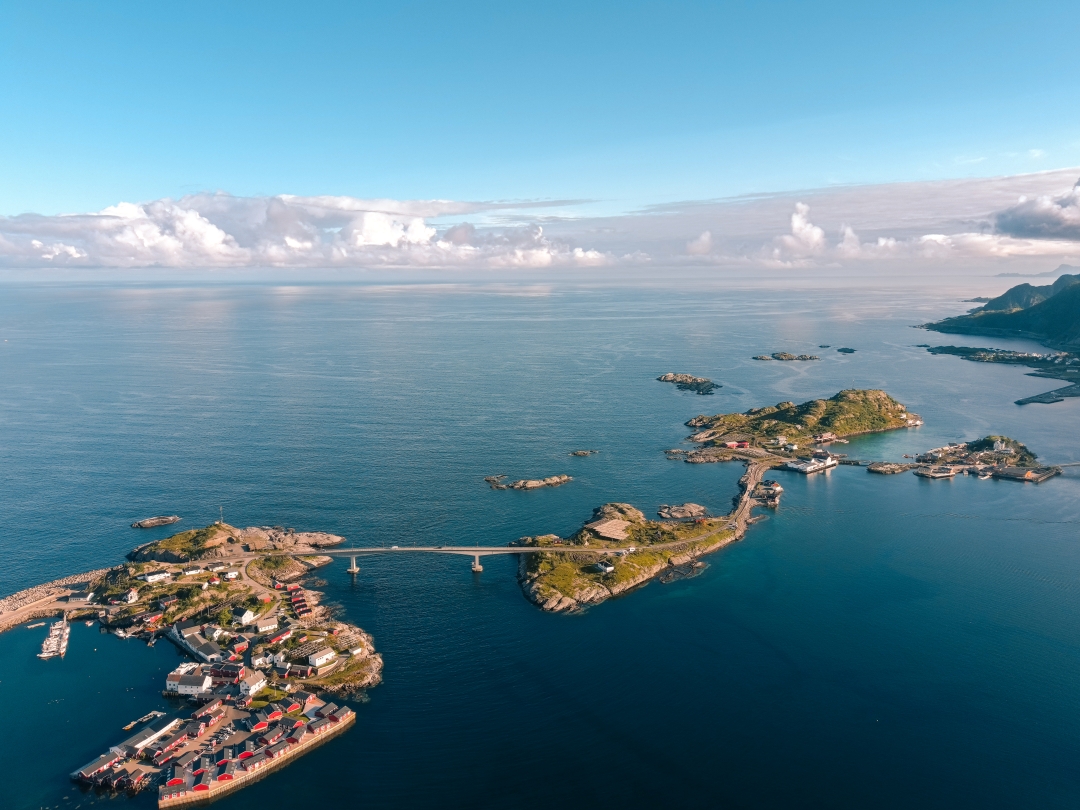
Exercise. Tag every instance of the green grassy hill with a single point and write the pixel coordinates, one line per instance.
(1054, 321)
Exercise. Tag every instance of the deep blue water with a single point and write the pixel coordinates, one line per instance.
(879, 641)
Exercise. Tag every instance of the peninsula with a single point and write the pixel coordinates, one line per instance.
(1052, 365)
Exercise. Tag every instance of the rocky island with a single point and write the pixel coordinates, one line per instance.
(496, 482)
(160, 520)
(688, 382)
(786, 357)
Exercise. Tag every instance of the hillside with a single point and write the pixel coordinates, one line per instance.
(1025, 295)
(848, 413)
(1054, 321)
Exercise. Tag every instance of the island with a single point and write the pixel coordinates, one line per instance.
(618, 548)
(688, 382)
(786, 356)
(989, 457)
(265, 660)
(496, 482)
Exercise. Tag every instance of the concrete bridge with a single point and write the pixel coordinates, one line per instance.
(476, 552)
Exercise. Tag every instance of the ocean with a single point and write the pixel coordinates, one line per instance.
(878, 641)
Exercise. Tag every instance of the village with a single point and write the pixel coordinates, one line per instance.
(260, 650)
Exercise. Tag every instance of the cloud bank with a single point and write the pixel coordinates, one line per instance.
(995, 219)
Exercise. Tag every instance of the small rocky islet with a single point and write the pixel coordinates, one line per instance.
(497, 482)
(688, 382)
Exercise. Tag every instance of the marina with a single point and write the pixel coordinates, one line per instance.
(56, 643)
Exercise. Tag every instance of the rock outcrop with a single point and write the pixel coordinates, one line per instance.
(682, 511)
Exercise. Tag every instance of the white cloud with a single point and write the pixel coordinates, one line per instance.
(219, 230)
(701, 245)
(1045, 217)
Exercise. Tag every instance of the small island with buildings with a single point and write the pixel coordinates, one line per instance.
(261, 650)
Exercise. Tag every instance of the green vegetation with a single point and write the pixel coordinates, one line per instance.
(1050, 314)
(189, 545)
(848, 413)
(1015, 453)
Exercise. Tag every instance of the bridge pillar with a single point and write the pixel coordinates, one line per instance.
(353, 567)
(476, 566)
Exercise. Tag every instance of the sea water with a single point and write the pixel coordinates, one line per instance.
(878, 641)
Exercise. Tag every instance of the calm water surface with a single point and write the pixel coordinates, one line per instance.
(879, 641)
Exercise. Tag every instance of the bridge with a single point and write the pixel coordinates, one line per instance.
(476, 552)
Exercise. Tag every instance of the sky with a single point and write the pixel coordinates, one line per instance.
(182, 120)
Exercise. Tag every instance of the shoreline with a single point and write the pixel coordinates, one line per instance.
(221, 789)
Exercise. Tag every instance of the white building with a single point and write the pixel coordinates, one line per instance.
(323, 656)
(231, 575)
(243, 615)
(193, 684)
(266, 624)
(156, 576)
(252, 683)
(812, 465)
(132, 596)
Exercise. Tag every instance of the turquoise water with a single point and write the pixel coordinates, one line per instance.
(879, 641)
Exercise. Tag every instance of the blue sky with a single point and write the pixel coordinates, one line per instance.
(624, 103)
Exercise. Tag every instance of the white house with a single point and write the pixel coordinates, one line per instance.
(231, 575)
(323, 656)
(191, 571)
(266, 624)
(132, 596)
(242, 615)
(155, 576)
(193, 683)
(252, 683)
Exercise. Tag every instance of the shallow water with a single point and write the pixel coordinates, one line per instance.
(878, 641)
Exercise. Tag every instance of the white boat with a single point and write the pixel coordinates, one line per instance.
(56, 643)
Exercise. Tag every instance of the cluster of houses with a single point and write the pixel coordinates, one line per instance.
(273, 733)
(247, 743)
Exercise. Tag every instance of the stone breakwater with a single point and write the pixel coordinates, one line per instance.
(17, 601)
(669, 555)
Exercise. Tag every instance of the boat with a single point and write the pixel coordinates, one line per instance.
(119, 633)
(56, 643)
(35, 624)
(89, 622)
(985, 476)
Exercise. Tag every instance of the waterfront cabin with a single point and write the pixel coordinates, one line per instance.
(154, 731)
(277, 749)
(168, 792)
(193, 683)
(227, 771)
(258, 721)
(339, 714)
(255, 762)
(302, 699)
(326, 709)
(274, 711)
(177, 776)
(320, 726)
(247, 749)
(187, 628)
(298, 734)
(95, 766)
(271, 735)
(222, 756)
(204, 781)
(291, 704)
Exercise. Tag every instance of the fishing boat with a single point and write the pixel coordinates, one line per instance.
(56, 643)
(89, 622)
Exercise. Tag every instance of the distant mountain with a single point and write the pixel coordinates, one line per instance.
(1023, 296)
(1053, 318)
(1062, 268)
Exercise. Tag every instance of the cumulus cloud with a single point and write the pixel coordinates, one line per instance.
(701, 245)
(1045, 217)
(219, 230)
